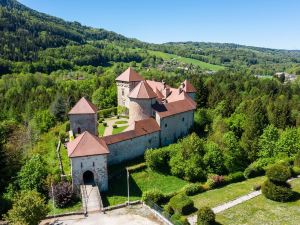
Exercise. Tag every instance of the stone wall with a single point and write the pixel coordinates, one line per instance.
(86, 122)
(174, 127)
(140, 109)
(132, 148)
(96, 164)
(127, 87)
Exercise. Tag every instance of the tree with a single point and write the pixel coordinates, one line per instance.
(28, 208)
(43, 121)
(213, 159)
(289, 141)
(58, 108)
(33, 174)
(267, 142)
(63, 194)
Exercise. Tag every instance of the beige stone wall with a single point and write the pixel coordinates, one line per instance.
(132, 148)
(86, 122)
(127, 87)
(174, 127)
(140, 109)
(96, 164)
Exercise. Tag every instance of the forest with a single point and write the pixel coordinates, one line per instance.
(47, 64)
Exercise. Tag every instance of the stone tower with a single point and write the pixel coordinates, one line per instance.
(189, 89)
(83, 117)
(126, 82)
(141, 99)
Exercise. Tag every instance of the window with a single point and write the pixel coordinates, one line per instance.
(93, 164)
(149, 141)
(182, 119)
(79, 130)
(122, 91)
(166, 125)
(81, 164)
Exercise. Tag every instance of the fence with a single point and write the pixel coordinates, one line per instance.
(163, 214)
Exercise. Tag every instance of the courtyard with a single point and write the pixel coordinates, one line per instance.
(132, 215)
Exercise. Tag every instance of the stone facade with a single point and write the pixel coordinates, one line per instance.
(132, 148)
(140, 109)
(174, 127)
(96, 164)
(123, 89)
(83, 122)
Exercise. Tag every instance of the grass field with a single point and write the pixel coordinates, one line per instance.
(230, 192)
(139, 183)
(75, 207)
(101, 129)
(121, 122)
(203, 65)
(119, 129)
(260, 210)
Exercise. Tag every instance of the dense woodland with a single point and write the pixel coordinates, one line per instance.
(47, 64)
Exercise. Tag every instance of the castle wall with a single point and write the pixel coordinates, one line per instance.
(175, 126)
(86, 122)
(192, 95)
(140, 109)
(132, 148)
(96, 164)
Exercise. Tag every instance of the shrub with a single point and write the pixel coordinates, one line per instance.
(68, 126)
(115, 126)
(296, 171)
(168, 209)
(297, 159)
(278, 173)
(158, 159)
(100, 120)
(107, 112)
(193, 189)
(256, 187)
(155, 196)
(137, 167)
(63, 194)
(253, 170)
(280, 193)
(104, 124)
(214, 181)
(178, 218)
(236, 177)
(205, 216)
(182, 204)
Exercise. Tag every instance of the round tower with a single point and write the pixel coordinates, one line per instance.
(141, 99)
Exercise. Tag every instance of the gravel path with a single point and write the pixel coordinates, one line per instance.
(109, 129)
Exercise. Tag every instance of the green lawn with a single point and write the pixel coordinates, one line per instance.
(119, 129)
(230, 192)
(75, 207)
(196, 62)
(139, 183)
(121, 122)
(260, 210)
(101, 129)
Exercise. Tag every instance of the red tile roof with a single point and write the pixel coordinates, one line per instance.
(141, 128)
(172, 108)
(129, 75)
(83, 106)
(188, 87)
(86, 144)
(142, 91)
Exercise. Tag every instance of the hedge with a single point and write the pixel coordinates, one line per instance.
(253, 170)
(158, 159)
(205, 216)
(108, 112)
(278, 173)
(235, 177)
(193, 189)
(280, 193)
(181, 204)
(154, 195)
(179, 219)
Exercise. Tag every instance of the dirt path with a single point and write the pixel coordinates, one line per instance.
(109, 129)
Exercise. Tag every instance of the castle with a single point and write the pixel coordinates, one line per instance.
(158, 116)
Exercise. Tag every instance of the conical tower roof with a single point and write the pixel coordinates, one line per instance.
(142, 91)
(129, 75)
(83, 106)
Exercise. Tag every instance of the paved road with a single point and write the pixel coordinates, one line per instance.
(90, 198)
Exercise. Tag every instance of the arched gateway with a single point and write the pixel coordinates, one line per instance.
(88, 177)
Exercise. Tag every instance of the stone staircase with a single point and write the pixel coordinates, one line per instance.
(91, 198)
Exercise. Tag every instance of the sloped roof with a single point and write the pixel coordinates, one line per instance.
(83, 106)
(141, 127)
(172, 108)
(142, 91)
(188, 87)
(129, 75)
(159, 94)
(86, 144)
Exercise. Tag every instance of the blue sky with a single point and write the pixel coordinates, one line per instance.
(266, 23)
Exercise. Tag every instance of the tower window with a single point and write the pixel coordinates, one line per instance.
(93, 164)
(81, 165)
(182, 119)
(166, 125)
(122, 91)
(78, 130)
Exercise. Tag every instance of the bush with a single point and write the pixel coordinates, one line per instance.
(253, 170)
(107, 112)
(235, 177)
(168, 209)
(193, 189)
(182, 204)
(278, 173)
(155, 196)
(68, 126)
(178, 218)
(104, 124)
(63, 194)
(297, 159)
(100, 120)
(115, 126)
(214, 181)
(295, 171)
(205, 216)
(158, 159)
(280, 193)
(256, 187)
